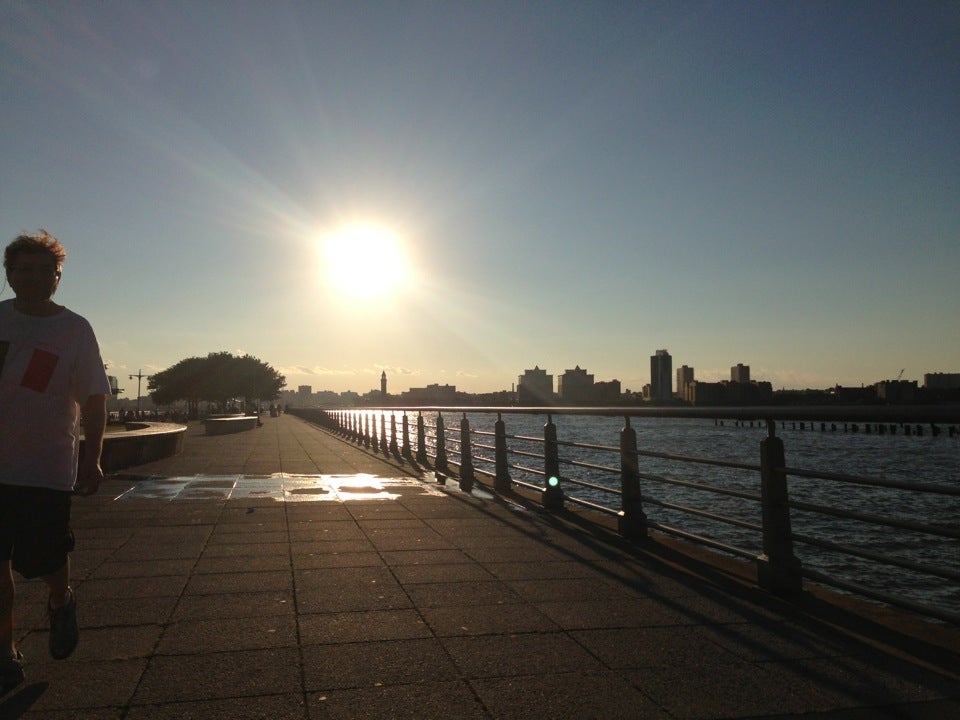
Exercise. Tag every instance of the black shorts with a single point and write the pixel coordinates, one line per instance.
(35, 529)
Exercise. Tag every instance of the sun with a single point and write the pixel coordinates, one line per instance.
(365, 262)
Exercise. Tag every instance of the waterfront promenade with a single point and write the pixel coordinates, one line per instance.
(211, 587)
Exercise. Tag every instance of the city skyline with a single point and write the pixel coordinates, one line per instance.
(451, 192)
(555, 379)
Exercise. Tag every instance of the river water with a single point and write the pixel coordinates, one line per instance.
(912, 459)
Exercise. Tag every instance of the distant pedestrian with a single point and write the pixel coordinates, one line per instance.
(51, 375)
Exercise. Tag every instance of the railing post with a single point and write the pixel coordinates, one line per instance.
(501, 481)
(393, 434)
(383, 434)
(778, 570)
(421, 439)
(366, 430)
(406, 436)
(467, 477)
(375, 440)
(552, 496)
(632, 521)
(441, 463)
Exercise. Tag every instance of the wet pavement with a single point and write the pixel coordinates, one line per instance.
(285, 573)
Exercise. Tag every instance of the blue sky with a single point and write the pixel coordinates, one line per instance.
(570, 183)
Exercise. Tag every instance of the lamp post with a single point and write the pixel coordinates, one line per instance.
(139, 376)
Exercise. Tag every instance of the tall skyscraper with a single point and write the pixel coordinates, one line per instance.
(684, 378)
(661, 376)
(535, 387)
(575, 386)
(740, 373)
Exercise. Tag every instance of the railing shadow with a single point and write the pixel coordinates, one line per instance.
(815, 621)
(22, 700)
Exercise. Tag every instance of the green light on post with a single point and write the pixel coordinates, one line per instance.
(554, 481)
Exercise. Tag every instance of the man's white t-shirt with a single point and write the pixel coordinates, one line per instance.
(49, 366)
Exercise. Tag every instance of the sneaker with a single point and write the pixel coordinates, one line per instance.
(11, 672)
(64, 631)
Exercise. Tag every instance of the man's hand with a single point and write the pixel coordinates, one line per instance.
(90, 474)
(88, 479)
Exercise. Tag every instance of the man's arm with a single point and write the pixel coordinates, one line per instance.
(89, 473)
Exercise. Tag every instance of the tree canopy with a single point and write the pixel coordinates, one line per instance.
(218, 378)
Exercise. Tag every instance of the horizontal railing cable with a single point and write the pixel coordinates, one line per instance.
(934, 488)
(700, 540)
(889, 598)
(877, 557)
(875, 519)
(705, 514)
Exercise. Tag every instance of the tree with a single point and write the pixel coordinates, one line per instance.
(218, 378)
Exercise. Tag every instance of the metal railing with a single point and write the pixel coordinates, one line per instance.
(756, 509)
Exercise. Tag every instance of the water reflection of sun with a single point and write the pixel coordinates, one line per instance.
(365, 262)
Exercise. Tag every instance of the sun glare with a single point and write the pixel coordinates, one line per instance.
(365, 262)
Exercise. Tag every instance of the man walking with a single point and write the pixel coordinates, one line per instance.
(51, 375)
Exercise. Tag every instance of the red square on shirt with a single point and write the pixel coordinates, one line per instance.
(40, 370)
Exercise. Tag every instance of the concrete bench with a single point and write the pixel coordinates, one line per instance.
(226, 424)
(140, 442)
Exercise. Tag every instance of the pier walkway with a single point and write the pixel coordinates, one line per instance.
(285, 573)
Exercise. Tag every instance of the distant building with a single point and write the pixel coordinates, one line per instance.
(535, 387)
(703, 393)
(575, 387)
(941, 381)
(383, 383)
(499, 398)
(684, 378)
(435, 394)
(740, 373)
(607, 392)
(731, 393)
(304, 390)
(661, 376)
(897, 391)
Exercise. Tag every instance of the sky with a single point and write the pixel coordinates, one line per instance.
(510, 185)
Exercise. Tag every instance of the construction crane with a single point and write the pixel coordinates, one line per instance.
(901, 374)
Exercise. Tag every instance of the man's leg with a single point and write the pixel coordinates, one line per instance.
(7, 593)
(59, 584)
(62, 610)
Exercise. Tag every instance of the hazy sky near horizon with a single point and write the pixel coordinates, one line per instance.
(569, 183)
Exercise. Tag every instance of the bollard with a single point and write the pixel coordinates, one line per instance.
(632, 522)
(441, 463)
(467, 477)
(406, 436)
(394, 446)
(552, 496)
(778, 570)
(501, 481)
(383, 434)
(421, 440)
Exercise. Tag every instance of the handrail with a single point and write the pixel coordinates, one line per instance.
(912, 414)
(765, 497)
